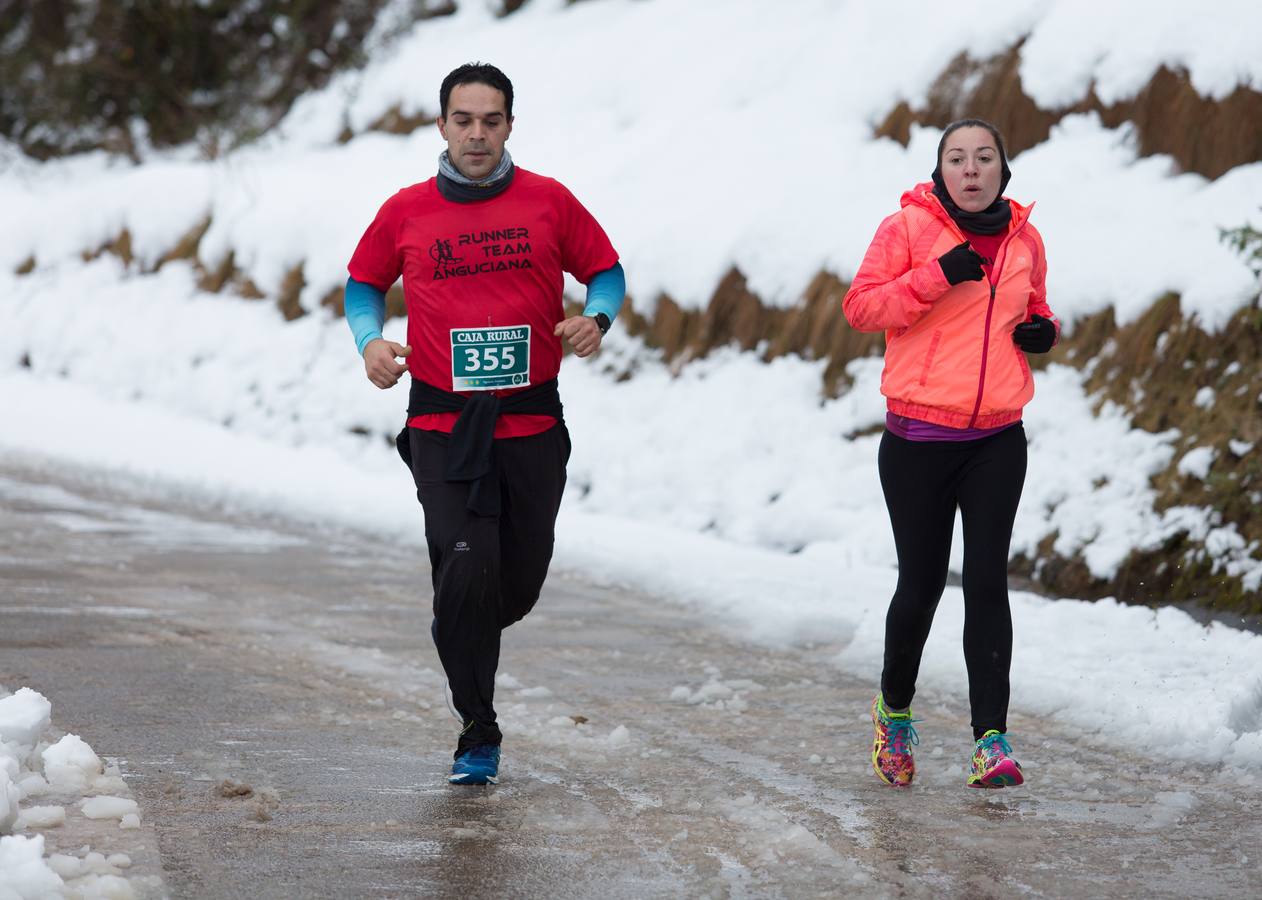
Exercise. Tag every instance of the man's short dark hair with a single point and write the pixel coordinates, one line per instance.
(476, 73)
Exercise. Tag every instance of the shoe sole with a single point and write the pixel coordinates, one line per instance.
(893, 784)
(472, 779)
(1006, 774)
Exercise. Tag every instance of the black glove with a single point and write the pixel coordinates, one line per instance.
(1035, 337)
(961, 263)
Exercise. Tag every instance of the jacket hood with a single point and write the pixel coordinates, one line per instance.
(922, 195)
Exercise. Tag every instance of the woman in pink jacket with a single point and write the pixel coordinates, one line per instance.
(955, 278)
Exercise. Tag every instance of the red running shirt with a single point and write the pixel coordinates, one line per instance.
(987, 247)
(484, 280)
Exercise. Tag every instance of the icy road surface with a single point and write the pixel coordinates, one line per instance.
(271, 694)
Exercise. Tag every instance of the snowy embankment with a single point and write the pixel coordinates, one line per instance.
(42, 783)
(731, 486)
(756, 152)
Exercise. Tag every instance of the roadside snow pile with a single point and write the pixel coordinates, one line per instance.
(24, 716)
(24, 873)
(31, 767)
(69, 764)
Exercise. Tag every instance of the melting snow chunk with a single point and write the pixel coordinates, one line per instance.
(24, 716)
(70, 765)
(109, 807)
(1196, 462)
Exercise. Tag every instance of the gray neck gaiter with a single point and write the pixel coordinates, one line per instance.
(457, 186)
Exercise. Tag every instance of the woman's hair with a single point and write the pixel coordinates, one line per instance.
(973, 123)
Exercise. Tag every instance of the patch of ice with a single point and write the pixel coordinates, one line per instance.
(109, 807)
(42, 817)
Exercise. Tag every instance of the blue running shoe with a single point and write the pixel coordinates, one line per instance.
(479, 764)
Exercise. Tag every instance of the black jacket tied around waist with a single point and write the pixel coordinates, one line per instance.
(471, 453)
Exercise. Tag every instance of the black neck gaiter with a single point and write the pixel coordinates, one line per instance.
(467, 193)
(991, 220)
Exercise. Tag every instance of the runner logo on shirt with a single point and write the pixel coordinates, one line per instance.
(497, 250)
(487, 359)
(441, 252)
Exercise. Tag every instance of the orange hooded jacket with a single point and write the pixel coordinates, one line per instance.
(949, 354)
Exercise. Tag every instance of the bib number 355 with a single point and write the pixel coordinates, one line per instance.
(487, 359)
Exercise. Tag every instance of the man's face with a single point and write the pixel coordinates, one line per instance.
(476, 127)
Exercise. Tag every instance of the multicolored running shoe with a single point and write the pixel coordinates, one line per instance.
(993, 765)
(891, 747)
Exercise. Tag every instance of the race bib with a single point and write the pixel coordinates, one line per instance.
(488, 359)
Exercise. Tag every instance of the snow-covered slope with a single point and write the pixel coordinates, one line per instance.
(707, 135)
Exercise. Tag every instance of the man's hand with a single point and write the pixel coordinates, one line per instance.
(379, 362)
(581, 332)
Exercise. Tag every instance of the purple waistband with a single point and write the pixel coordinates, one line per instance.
(920, 430)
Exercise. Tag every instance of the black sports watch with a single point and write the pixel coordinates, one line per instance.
(603, 323)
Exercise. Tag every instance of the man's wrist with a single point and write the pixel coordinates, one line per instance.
(368, 339)
(602, 322)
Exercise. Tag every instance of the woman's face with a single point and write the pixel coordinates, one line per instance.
(971, 168)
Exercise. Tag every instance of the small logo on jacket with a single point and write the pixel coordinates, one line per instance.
(461, 546)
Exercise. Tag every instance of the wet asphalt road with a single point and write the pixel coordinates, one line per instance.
(647, 754)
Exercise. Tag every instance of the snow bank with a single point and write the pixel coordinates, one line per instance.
(808, 198)
(1124, 43)
(72, 768)
(765, 461)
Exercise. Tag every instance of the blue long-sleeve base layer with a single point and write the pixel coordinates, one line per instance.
(365, 304)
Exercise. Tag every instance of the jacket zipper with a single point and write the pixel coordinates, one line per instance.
(981, 379)
(990, 308)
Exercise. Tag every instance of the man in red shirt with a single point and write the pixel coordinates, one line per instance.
(482, 248)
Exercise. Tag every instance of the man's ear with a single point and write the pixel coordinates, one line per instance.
(442, 127)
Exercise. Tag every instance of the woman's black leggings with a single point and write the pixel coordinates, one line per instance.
(924, 482)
